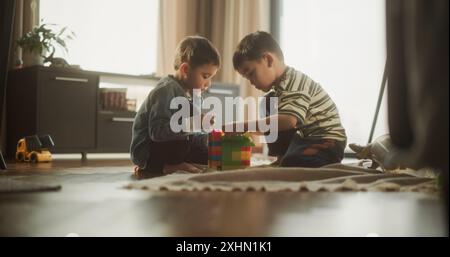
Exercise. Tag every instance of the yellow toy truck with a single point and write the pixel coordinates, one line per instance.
(34, 149)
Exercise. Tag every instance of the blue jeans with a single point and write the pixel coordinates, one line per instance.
(304, 152)
(192, 150)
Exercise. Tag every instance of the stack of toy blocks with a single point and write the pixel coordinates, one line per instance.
(228, 152)
(215, 149)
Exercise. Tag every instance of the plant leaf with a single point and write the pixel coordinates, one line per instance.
(62, 31)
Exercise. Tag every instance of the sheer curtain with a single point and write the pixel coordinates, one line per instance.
(25, 18)
(178, 19)
(225, 23)
(241, 17)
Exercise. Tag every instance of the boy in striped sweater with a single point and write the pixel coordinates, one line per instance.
(310, 133)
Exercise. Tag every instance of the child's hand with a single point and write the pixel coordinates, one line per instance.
(234, 133)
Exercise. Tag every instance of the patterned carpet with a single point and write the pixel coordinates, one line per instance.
(330, 178)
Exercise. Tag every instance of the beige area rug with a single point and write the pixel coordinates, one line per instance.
(330, 178)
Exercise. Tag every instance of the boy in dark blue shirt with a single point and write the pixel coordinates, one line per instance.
(155, 148)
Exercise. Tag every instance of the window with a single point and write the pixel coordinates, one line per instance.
(341, 45)
(115, 36)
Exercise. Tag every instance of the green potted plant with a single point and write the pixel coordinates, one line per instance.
(40, 41)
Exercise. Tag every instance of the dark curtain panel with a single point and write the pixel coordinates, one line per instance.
(418, 75)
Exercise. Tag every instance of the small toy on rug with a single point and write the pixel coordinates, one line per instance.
(380, 153)
(226, 152)
(377, 151)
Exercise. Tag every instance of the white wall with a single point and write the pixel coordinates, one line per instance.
(112, 35)
(341, 45)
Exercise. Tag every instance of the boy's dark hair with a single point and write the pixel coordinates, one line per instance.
(196, 51)
(253, 46)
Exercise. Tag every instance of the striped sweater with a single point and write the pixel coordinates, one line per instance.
(317, 114)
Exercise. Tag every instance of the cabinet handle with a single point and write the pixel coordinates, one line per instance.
(119, 119)
(220, 91)
(72, 79)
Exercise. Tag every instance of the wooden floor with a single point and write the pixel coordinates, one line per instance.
(92, 202)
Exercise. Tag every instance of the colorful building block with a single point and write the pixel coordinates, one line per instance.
(215, 149)
(227, 152)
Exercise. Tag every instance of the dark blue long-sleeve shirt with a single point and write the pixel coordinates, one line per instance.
(152, 121)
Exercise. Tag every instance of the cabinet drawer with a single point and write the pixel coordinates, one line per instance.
(114, 131)
(67, 106)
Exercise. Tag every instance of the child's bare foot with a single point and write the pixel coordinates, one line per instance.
(139, 173)
(168, 169)
(277, 162)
